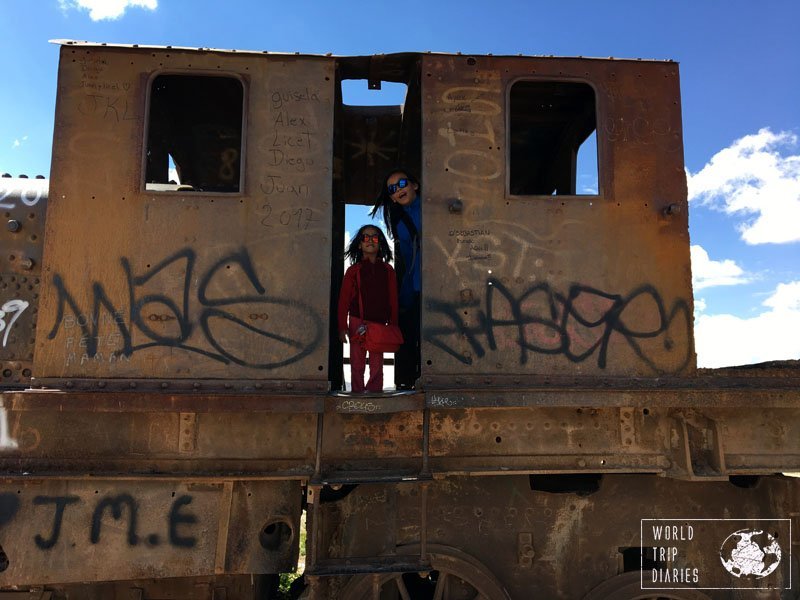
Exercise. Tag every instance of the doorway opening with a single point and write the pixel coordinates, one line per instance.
(377, 123)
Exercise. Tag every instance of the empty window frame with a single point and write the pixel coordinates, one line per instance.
(194, 140)
(552, 139)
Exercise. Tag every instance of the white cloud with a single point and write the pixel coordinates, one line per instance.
(758, 180)
(699, 305)
(786, 298)
(727, 340)
(708, 273)
(19, 141)
(106, 9)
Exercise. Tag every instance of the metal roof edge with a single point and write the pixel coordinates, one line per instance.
(79, 43)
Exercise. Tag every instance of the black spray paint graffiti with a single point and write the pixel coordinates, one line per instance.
(119, 507)
(577, 325)
(175, 314)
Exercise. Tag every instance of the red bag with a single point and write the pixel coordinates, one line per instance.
(382, 338)
(378, 337)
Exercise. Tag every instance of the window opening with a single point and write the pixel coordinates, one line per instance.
(552, 139)
(587, 185)
(174, 178)
(356, 92)
(195, 128)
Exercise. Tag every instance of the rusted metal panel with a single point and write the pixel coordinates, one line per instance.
(399, 438)
(591, 439)
(568, 543)
(265, 444)
(177, 285)
(375, 443)
(57, 401)
(23, 202)
(70, 531)
(554, 284)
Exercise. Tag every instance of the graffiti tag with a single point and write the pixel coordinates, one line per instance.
(577, 325)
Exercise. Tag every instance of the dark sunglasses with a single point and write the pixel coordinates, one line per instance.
(393, 187)
(366, 237)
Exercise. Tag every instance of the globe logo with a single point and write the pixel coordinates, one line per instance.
(750, 553)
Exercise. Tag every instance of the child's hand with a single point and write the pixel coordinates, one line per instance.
(343, 336)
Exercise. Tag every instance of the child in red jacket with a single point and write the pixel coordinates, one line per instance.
(368, 253)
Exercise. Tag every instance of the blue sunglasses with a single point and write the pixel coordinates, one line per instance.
(393, 187)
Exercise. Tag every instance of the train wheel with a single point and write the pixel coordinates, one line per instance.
(455, 575)
(628, 586)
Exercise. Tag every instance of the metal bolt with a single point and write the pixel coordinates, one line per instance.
(13, 225)
(26, 263)
(456, 206)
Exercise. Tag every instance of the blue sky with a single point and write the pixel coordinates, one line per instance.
(740, 67)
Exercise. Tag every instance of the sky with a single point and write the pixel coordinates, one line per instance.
(740, 82)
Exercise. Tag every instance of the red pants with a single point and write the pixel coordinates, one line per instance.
(358, 359)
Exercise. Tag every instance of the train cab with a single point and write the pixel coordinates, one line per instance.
(212, 186)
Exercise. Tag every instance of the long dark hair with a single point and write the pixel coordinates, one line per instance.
(390, 211)
(354, 252)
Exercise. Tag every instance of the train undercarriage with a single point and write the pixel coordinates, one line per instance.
(480, 493)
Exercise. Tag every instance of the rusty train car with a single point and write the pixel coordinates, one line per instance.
(172, 403)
